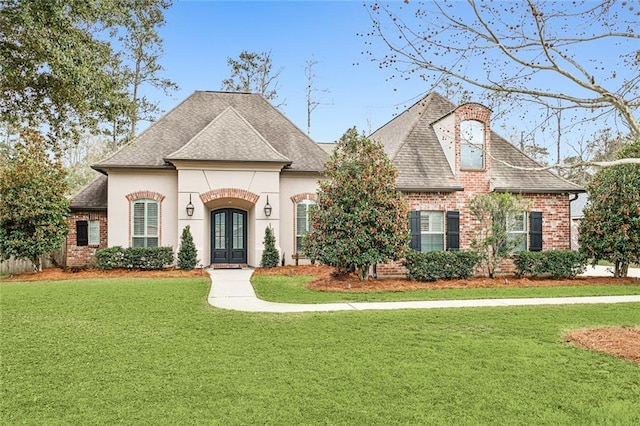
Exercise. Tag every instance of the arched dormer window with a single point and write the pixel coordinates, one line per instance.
(472, 137)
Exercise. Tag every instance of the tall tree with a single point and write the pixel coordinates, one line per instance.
(142, 49)
(610, 229)
(312, 101)
(33, 206)
(360, 219)
(54, 70)
(60, 71)
(253, 72)
(513, 50)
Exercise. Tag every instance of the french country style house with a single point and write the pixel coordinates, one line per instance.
(230, 164)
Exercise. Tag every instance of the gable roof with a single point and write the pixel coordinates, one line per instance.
(413, 147)
(193, 121)
(93, 196)
(229, 137)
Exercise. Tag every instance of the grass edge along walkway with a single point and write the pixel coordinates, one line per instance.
(232, 289)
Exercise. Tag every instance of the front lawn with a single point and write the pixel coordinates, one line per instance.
(151, 351)
(293, 289)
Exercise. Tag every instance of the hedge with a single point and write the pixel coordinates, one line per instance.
(440, 265)
(554, 263)
(134, 257)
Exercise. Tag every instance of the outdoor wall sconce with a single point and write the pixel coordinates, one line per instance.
(190, 207)
(267, 208)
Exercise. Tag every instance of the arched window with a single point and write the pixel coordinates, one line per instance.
(472, 144)
(303, 223)
(145, 223)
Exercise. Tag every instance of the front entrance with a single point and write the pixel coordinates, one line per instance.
(229, 236)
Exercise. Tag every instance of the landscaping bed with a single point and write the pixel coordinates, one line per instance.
(59, 274)
(327, 280)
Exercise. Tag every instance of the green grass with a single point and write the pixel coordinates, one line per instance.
(143, 351)
(285, 289)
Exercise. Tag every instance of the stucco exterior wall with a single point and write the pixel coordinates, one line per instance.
(291, 186)
(131, 182)
(216, 186)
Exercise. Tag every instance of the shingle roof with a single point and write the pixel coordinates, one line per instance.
(229, 137)
(414, 149)
(505, 178)
(92, 197)
(179, 126)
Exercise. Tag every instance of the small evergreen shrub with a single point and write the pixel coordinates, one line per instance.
(554, 263)
(270, 256)
(134, 257)
(110, 258)
(148, 257)
(187, 255)
(440, 265)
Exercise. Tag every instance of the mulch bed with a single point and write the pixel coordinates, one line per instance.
(623, 342)
(58, 274)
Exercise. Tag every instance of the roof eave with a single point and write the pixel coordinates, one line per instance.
(539, 190)
(430, 189)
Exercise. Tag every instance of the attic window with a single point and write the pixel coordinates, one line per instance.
(471, 144)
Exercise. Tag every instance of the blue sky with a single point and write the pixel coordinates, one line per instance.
(199, 36)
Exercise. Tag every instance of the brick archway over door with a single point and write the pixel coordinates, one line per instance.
(229, 193)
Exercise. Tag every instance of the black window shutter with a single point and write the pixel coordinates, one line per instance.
(414, 224)
(535, 231)
(453, 230)
(82, 233)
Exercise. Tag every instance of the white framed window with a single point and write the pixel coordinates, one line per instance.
(472, 144)
(94, 232)
(431, 231)
(517, 229)
(145, 223)
(303, 222)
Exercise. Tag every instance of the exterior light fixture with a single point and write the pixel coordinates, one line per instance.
(190, 207)
(267, 208)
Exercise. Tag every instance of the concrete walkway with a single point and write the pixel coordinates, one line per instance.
(231, 289)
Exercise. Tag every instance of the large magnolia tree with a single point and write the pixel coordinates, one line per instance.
(360, 219)
(573, 63)
(33, 206)
(610, 229)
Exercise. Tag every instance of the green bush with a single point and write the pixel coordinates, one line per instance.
(134, 257)
(110, 258)
(554, 263)
(188, 254)
(270, 256)
(440, 265)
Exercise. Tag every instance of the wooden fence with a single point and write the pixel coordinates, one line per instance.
(19, 266)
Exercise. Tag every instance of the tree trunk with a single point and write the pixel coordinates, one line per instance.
(363, 272)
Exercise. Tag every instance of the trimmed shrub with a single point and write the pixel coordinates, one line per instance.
(148, 257)
(555, 263)
(134, 257)
(270, 256)
(188, 254)
(110, 258)
(440, 265)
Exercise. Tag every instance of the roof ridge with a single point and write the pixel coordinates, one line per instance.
(98, 168)
(229, 109)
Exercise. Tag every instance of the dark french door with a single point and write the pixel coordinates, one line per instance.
(228, 236)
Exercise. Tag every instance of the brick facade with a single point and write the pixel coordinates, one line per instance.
(83, 256)
(229, 193)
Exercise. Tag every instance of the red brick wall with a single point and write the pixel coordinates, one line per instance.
(555, 219)
(84, 255)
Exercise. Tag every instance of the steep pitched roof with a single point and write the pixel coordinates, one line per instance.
(191, 117)
(413, 147)
(229, 137)
(93, 196)
(411, 143)
(506, 178)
